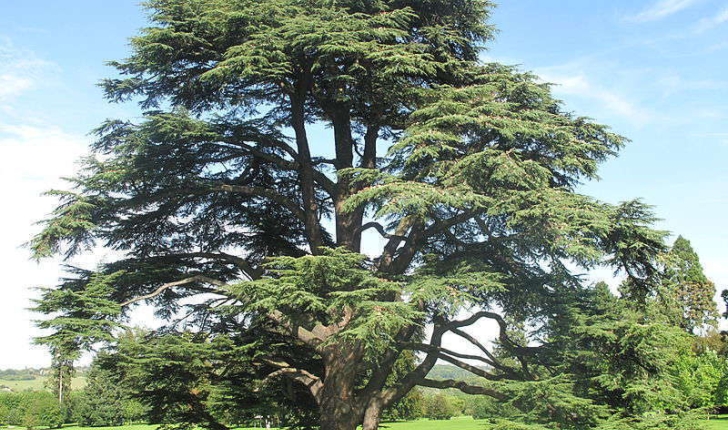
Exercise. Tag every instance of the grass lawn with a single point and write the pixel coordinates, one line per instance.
(717, 423)
(461, 423)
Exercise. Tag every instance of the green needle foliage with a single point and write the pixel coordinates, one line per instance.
(280, 135)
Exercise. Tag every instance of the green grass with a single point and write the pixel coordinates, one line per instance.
(38, 384)
(719, 422)
(131, 427)
(460, 423)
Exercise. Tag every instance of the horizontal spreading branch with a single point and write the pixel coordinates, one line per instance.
(380, 229)
(304, 377)
(462, 386)
(446, 352)
(164, 287)
(251, 272)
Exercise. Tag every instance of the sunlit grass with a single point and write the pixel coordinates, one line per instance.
(460, 423)
(39, 384)
(717, 423)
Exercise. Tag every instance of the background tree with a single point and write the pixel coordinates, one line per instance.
(31, 409)
(692, 291)
(82, 315)
(276, 135)
(106, 399)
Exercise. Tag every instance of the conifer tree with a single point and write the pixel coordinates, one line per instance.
(280, 135)
(692, 291)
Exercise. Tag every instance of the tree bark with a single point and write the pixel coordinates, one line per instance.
(339, 407)
(337, 414)
(372, 415)
(305, 174)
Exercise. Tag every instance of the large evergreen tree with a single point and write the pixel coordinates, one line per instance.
(279, 134)
(693, 293)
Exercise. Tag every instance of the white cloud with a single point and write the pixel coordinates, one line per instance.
(673, 83)
(33, 160)
(12, 85)
(661, 9)
(709, 23)
(579, 85)
(20, 70)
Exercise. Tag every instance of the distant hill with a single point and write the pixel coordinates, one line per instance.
(34, 379)
(447, 371)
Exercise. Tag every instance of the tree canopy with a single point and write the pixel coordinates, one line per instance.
(277, 138)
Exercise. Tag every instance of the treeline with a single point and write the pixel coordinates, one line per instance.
(31, 409)
(20, 374)
(94, 406)
(31, 374)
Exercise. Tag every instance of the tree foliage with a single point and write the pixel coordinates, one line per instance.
(277, 136)
(30, 409)
(692, 291)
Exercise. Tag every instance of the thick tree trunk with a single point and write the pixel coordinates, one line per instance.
(339, 407)
(372, 415)
(338, 414)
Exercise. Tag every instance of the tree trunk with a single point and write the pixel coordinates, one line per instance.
(338, 414)
(372, 415)
(339, 407)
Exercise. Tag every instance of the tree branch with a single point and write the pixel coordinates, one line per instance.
(313, 338)
(250, 272)
(462, 386)
(443, 352)
(164, 287)
(263, 192)
(493, 360)
(304, 377)
(382, 232)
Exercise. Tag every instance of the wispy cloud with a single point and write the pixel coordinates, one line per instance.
(580, 86)
(20, 70)
(673, 83)
(661, 9)
(711, 22)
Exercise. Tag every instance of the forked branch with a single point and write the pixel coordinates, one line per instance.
(304, 377)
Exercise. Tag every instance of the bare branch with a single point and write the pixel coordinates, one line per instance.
(465, 366)
(304, 377)
(493, 360)
(518, 350)
(313, 337)
(379, 228)
(462, 386)
(162, 288)
(441, 225)
(443, 352)
(250, 272)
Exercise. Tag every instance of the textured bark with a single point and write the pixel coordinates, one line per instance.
(305, 174)
(339, 409)
(372, 415)
(337, 414)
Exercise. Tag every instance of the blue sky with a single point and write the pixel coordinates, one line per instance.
(654, 70)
